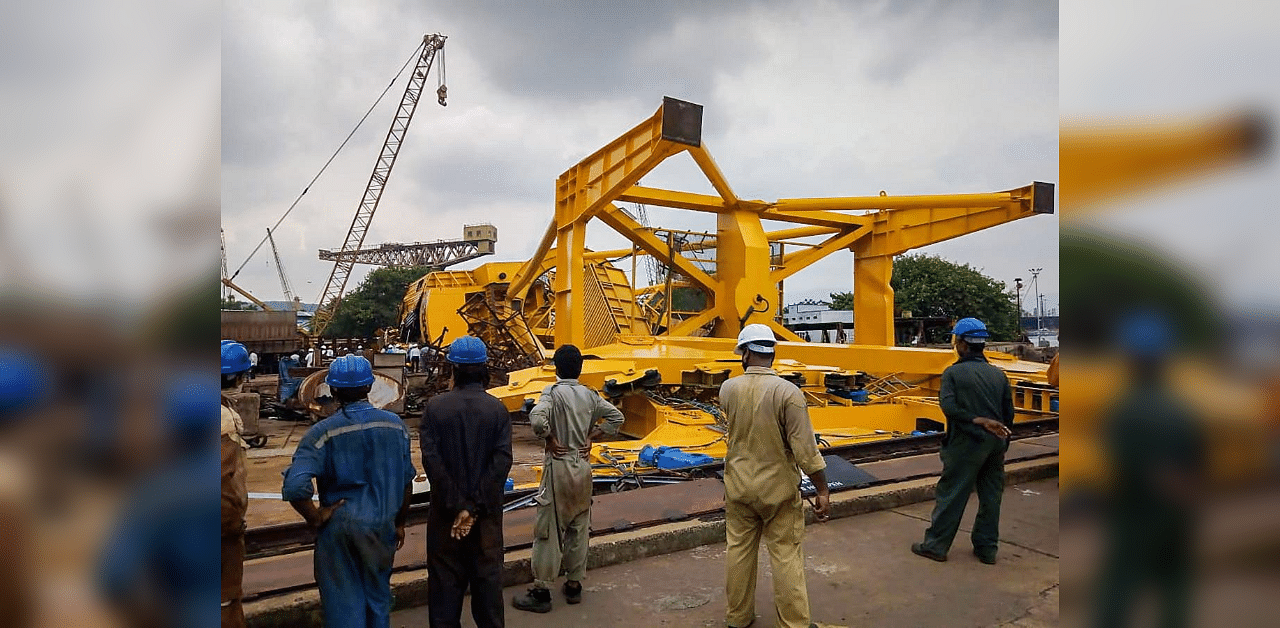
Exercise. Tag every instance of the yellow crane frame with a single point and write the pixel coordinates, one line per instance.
(745, 288)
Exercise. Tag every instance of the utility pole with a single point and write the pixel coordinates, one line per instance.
(1017, 290)
(1035, 281)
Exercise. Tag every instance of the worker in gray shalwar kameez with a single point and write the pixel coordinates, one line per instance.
(566, 417)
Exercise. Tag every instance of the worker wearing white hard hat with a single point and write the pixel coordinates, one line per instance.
(770, 440)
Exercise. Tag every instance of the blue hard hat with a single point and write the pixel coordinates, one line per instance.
(191, 405)
(468, 350)
(349, 371)
(22, 381)
(1146, 334)
(967, 328)
(235, 358)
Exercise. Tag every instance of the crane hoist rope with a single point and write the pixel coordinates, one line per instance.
(331, 298)
(295, 202)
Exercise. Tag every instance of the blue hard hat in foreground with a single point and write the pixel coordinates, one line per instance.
(468, 350)
(23, 381)
(1146, 334)
(967, 328)
(235, 358)
(191, 404)
(349, 371)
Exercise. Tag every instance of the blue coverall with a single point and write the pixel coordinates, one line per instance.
(360, 454)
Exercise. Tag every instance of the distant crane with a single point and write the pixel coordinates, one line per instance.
(294, 302)
(337, 283)
(226, 281)
(225, 274)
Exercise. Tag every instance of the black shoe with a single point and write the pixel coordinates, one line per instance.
(918, 550)
(537, 600)
(987, 558)
(573, 594)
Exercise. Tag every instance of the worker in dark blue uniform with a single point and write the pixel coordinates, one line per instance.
(360, 460)
(466, 453)
(156, 567)
(977, 400)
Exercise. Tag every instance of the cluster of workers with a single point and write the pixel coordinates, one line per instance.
(359, 459)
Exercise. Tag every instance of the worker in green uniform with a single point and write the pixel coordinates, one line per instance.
(978, 403)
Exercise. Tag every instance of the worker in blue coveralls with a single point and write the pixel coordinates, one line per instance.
(360, 460)
(978, 402)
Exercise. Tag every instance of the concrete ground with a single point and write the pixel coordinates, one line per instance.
(860, 572)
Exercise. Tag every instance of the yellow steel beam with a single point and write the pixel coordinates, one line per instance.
(872, 300)
(708, 166)
(747, 294)
(795, 263)
(644, 238)
(786, 334)
(912, 226)
(799, 232)
(687, 326)
(834, 220)
(927, 201)
(264, 306)
(673, 199)
(591, 186)
(1105, 160)
(525, 276)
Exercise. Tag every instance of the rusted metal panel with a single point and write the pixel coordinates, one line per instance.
(263, 332)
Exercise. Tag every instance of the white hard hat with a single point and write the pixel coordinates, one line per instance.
(756, 337)
(294, 357)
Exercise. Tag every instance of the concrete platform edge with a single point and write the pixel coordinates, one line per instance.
(409, 589)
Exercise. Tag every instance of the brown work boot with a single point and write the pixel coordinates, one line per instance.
(573, 592)
(536, 600)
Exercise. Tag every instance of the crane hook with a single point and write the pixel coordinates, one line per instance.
(441, 93)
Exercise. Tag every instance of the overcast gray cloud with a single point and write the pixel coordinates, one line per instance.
(802, 99)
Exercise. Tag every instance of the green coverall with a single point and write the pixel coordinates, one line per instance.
(971, 456)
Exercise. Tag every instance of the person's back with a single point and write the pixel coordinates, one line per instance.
(465, 425)
(359, 458)
(357, 450)
(977, 401)
(974, 387)
(770, 440)
(565, 416)
(466, 452)
(760, 463)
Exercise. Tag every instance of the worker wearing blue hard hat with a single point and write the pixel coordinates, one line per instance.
(235, 493)
(977, 400)
(466, 453)
(1157, 451)
(360, 460)
(157, 561)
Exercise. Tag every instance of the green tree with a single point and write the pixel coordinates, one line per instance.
(842, 300)
(231, 303)
(374, 304)
(927, 285)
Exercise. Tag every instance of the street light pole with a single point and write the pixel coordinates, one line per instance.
(1035, 281)
(1017, 290)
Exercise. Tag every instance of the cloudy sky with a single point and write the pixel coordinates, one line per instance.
(802, 99)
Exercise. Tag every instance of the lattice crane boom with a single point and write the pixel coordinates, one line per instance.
(331, 298)
(284, 281)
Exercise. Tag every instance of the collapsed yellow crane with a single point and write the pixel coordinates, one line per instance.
(665, 384)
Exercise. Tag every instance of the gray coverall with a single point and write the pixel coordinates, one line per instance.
(568, 410)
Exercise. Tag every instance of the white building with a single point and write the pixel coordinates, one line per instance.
(810, 318)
